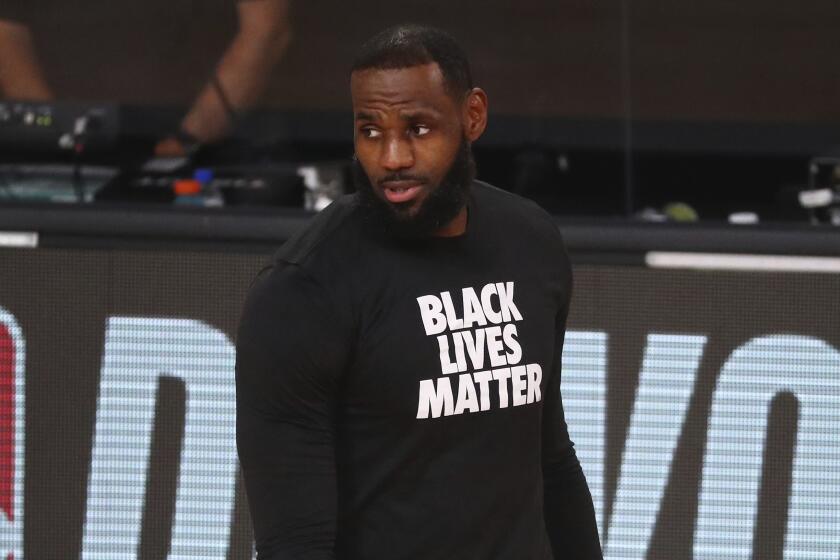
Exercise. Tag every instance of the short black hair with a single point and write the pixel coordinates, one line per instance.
(407, 45)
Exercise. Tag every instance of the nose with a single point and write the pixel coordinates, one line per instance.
(397, 153)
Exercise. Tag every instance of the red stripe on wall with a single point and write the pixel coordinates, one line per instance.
(7, 422)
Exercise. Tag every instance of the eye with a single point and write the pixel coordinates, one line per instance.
(370, 132)
(420, 129)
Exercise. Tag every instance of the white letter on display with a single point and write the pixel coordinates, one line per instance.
(754, 374)
(666, 383)
(12, 434)
(583, 386)
(137, 352)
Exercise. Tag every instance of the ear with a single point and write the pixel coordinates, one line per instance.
(475, 114)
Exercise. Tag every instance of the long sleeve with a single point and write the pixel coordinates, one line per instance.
(291, 351)
(569, 513)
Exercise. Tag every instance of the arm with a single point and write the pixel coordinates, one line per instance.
(242, 73)
(569, 513)
(21, 76)
(289, 356)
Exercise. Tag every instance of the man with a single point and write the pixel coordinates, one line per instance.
(398, 365)
(122, 47)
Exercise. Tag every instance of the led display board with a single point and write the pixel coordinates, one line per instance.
(705, 407)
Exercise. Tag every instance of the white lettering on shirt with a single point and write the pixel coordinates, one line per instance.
(484, 335)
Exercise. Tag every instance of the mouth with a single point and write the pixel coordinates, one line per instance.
(401, 191)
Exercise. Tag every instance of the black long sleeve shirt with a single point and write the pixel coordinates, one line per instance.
(402, 400)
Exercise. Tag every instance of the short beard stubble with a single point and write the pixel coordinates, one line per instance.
(439, 208)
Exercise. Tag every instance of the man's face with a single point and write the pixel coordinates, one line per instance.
(409, 138)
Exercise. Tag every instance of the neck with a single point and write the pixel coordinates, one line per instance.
(456, 227)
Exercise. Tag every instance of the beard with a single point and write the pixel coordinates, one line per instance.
(440, 206)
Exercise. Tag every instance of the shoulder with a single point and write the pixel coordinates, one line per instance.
(295, 266)
(331, 232)
(526, 230)
(285, 298)
(310, 268)
(281, 290)
(514, 212)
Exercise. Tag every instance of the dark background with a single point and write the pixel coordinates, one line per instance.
(596, 108)
(716, 60)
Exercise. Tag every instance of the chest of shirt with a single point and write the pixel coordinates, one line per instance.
(437, 344)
